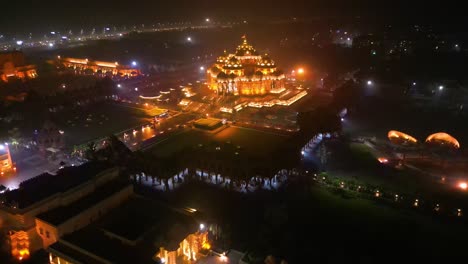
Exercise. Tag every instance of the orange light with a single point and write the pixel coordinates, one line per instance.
(206, 245)
(300, 71)
(463, 185)
(382, 160)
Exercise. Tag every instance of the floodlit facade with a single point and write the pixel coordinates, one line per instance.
(6, 164)
(189, 249)
(245, 72)
(443, 138)
(401, 138)
(98, 67)
(13, 65)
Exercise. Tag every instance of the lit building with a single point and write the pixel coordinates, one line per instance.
(24, 211)
(85, 66)
(139, 230)
(13, 66)
(6, 164)
(245, 72)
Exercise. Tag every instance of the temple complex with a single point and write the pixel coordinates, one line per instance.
(244, 72)
(13, 66)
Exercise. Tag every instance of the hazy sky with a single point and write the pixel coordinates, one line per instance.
(25, 14)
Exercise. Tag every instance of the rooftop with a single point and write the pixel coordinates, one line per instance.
(61, 214)
(147, 223)
(45, 185)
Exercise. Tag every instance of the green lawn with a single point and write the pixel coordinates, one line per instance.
(254, 142)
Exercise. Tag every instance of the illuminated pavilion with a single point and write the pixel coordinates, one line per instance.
(245, 72)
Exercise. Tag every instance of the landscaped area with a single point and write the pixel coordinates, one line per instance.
(253, 141)
(100, 120)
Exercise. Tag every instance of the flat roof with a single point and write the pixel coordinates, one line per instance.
(45, 185)
(71, 254)
(156, 224)
(210, 122)
(61, 214)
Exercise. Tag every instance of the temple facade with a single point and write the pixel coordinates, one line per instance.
(245, 72)
(13, 66)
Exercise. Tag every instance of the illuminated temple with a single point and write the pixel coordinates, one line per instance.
(245, 72)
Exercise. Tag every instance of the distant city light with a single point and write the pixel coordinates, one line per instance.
(348, 39)
(207, 20)
(51, 45)
(342, 119)
(2, 147)
(202, 68)
(414, 83)
(19, 42)
(189, 39)
(300, 70)
(107, 28)
(369, 82)
(136, 89)
(134, 63)
(302, 152)
(456, 45)
(119, 85)
(120, 34)
(52, 32)
(441, 87)
(202, 226)
(163, 260)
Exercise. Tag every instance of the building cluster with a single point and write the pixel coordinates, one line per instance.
(245, 72)
(13, 66)
(86, 66)
(89, 214)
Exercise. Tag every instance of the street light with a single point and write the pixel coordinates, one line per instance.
(369, 82)
(202, 226)
(300, 71)
(134, 63)
(441, 87)
(202, 68)
(189, 39)
(207, 20)
(119, 85)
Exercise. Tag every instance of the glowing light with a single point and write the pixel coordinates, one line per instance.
(2, 147)
(414, 83)
(134, 63)
(382, 160)
(202, 226)
(163, 260)
(19, 42)
(369, 82)
(202, 68)
(136, 89)
(441, 87)
(463, 185)
(189, 39)
(398, 137)
(51, 45)
(342, 119)
(302, 152)
(443, 138)
(119, 85)
(207, 20)
(300, 71)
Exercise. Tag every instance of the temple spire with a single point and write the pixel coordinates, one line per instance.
(244, 38)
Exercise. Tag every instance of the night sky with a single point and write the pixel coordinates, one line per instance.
(48, 14)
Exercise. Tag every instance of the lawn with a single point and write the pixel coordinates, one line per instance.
(253, 141)
(100, 120)
(323, 225)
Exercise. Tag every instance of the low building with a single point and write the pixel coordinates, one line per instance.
(85, 66)
(19, 207)
(13, 66)
(138, 231)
